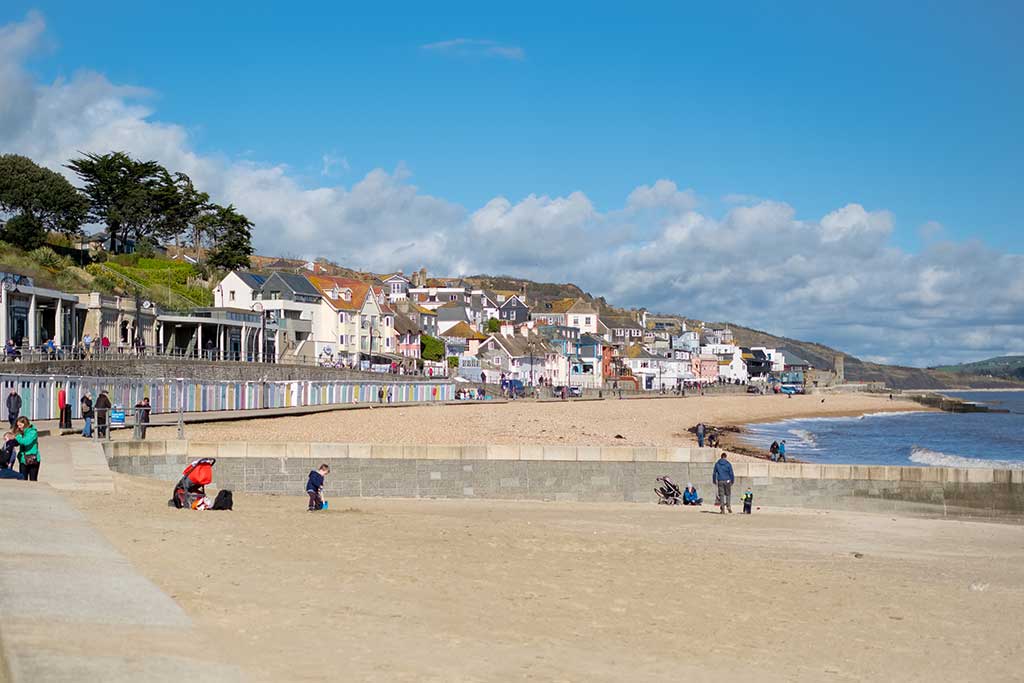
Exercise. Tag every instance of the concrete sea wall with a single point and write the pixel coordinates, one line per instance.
(569, 473)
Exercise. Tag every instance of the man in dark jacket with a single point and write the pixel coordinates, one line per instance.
(723, 476)
(13, 407)
(102, 409)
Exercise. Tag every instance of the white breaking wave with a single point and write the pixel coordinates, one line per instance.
(806, 437)
(925, 456)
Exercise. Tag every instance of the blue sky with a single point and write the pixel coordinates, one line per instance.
(886, 104)
(848, 172)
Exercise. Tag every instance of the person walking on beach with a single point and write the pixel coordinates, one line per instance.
(723, 477)
(774, 450)
(13, 407)
(28, 455)
(700, 434)
(782, 451)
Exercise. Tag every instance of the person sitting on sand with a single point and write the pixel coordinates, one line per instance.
(315, 487)
(10, 452)
(690, 496)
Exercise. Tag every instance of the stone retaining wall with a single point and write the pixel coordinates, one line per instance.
(569, 473)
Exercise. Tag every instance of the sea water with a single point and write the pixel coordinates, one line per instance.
(908, 438)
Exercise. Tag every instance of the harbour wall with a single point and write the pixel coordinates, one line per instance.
(574, 473)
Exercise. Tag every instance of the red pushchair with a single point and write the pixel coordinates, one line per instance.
(192, 486)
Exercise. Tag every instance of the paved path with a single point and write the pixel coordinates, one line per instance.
(74, 609)
(72, 463)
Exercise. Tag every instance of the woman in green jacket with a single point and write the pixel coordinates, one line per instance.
(26, 436)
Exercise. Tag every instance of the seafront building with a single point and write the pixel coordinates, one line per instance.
(292, 313)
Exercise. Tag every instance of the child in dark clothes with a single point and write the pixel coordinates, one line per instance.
(315, 487)
(10, 451)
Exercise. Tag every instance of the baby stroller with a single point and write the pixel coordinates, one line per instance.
(669, 492)
(191, 489)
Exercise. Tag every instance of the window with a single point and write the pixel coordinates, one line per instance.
(587, 320)
(452, 297)
(575, 320)
(341, 318)
(387, 342)
(231, 295)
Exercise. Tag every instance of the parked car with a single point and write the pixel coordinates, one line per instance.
(574, 392)
(751, 389)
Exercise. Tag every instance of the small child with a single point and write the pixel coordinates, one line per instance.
(315, 487)
(10, 451)
(748, 501)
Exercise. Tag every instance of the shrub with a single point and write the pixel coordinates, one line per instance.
(48, 258)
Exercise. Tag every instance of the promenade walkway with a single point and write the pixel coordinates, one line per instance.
(75, 609)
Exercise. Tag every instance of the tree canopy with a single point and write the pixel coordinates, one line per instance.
(124, 193)
(232, 238)
(40, 201)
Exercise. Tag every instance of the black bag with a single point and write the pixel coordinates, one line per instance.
(223, 501)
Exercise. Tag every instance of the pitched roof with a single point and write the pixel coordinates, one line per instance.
(558, 306)
(326, 284)
(253, 280)
(299, 284)
(405, 326)
(519, 346)
(620, 322)
(582, 306)
(462, 330)
(637, 351)
(450, 313)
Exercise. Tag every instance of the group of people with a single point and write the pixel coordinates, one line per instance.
(777, 451)
(21, 443)
(723, 477)
(705, 435)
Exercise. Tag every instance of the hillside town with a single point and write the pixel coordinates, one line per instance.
(295, 312)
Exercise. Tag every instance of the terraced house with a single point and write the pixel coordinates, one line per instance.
(354, 322)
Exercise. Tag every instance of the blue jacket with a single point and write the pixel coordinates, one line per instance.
(315, 483)
(782, 448)
(690, 496)
(723, 471)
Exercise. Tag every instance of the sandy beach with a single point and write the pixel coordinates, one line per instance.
(406, 590)
(629, 422)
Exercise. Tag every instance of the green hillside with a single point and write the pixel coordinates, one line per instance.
(1006, 367)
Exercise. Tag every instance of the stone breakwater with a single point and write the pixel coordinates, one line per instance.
(573, 473)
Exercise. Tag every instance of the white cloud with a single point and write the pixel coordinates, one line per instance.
(836, 279)
(329, 162)
(476, 47)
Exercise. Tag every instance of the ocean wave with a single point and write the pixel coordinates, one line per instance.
(806, 437)
(925, 456)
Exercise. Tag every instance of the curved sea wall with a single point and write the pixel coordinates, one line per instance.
(570, 473)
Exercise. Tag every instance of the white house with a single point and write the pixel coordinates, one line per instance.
(731, 366)
(238, 289)
(354, 323)
(656, 372)
(396, 286)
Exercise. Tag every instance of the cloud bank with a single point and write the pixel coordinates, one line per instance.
(836, 279)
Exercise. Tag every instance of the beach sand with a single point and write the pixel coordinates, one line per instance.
(414, 590)
(640, 422)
